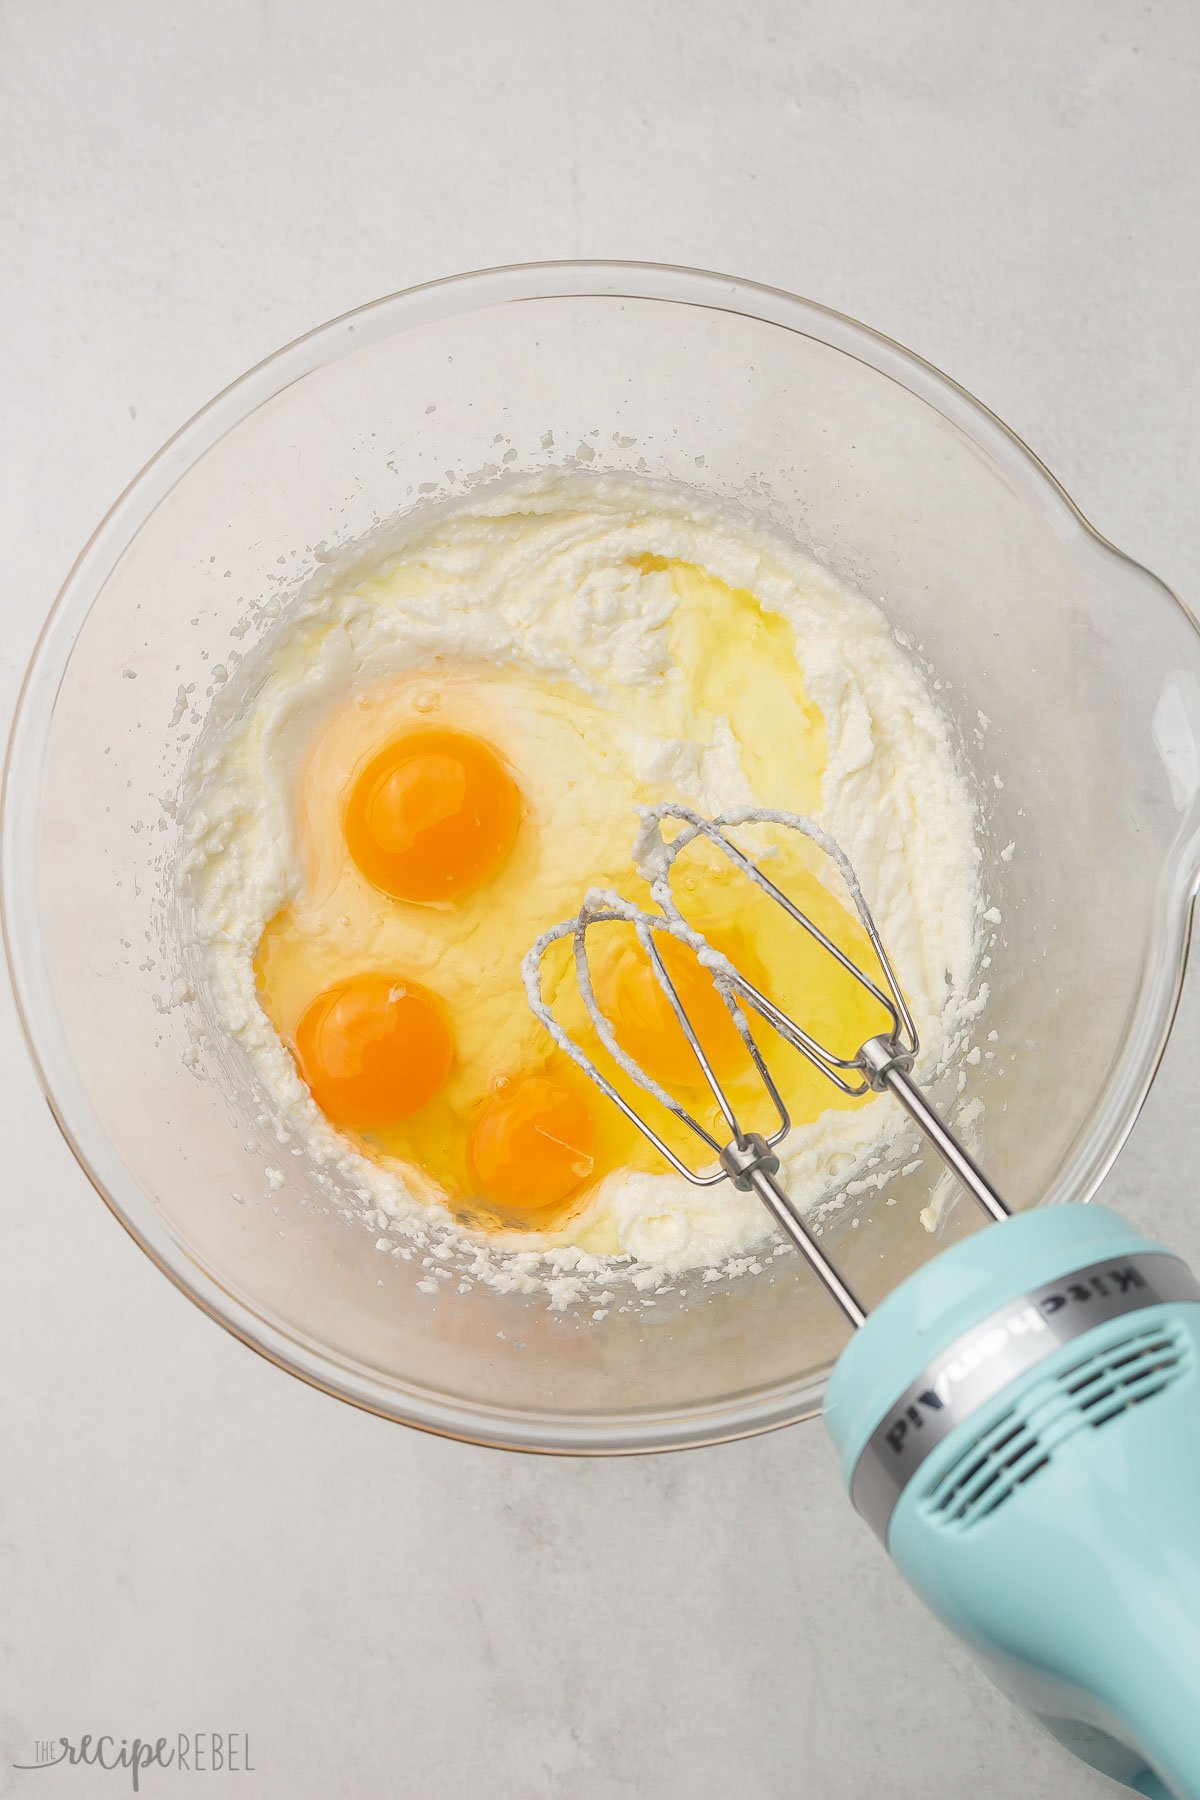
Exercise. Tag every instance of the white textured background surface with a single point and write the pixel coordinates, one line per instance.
(188, 1539)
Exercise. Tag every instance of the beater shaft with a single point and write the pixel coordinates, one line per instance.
(751, 1163)
(878, 1058)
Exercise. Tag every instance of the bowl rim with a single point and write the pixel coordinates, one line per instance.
(409, 308)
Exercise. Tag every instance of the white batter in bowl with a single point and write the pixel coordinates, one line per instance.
(622, 642)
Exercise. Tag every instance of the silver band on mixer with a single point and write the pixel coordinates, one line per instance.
(1009, 1342)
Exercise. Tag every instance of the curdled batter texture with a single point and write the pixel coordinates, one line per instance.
(604, 643)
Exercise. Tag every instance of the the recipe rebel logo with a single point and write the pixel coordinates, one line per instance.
(189, 1753)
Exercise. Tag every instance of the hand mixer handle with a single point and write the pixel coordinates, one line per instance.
(1020, 1421)
(1085, 1600)
(1146, 1668)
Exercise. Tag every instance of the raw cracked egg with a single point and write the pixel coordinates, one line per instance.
(434, 814)
(444, 817)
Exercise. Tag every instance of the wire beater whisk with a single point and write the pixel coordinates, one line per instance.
(746, 1157)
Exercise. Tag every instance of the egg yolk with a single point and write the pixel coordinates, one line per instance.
(372, 1049)
(433, 815)
(532, 1145)
(644, 1022)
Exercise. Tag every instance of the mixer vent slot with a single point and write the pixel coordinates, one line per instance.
(1025, 1439)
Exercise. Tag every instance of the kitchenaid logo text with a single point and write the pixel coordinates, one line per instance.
(198, 1753)
(1030, 1319)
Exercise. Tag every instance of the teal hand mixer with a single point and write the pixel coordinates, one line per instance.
(1019, 1421)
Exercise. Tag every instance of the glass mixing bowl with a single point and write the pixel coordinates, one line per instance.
(1070, 676)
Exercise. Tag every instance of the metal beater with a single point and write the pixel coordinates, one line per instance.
(749, 1159)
